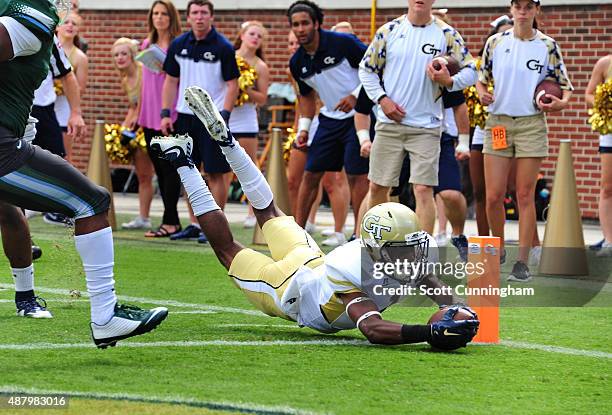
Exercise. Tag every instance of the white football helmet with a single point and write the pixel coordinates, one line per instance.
(393, 225)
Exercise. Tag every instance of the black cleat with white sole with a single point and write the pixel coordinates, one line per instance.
(128, 321)
(175, 148)
(202, 105)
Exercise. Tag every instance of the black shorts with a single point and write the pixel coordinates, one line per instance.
(605, 150)
(205, 150)
(48, 131)
(45, 182)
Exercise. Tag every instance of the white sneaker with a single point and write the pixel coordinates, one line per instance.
(311, 228)
(336, 239)
(127, 321)
(249, 222)
(175, 148)
(442, 239)
(205, 109)
(535, 254)
(606, 250)
(327, 232)
(137, 223)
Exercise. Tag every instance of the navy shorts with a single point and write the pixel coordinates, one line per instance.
(48, 131)
(205, 150)
(449, 174)
(335, 145)
(605, 150)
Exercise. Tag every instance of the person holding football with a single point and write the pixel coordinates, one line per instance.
(327, 293)
(516, 62)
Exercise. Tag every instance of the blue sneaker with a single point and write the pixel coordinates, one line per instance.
(461, 243)
(202, 239)
(33, 308)
(189, 233)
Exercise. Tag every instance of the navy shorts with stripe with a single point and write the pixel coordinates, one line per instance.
(205, 150)
(335, 145)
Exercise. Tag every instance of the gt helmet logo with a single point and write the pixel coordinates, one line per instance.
(372, 227)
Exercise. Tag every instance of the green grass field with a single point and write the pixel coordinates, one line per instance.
(215, 354)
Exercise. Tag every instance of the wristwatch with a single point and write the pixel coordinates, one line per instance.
(165, 113)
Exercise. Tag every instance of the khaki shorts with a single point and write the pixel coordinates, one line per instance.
(526, 136)
(263, 279)
(390, 146)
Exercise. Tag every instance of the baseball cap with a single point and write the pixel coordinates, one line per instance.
(533, 1)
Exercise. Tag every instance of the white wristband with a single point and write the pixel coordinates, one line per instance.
(304, 124)
(363, 136)
(356, 91)
(464, 144)
(367, 315)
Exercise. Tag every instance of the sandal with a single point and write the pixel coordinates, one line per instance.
(162, 232)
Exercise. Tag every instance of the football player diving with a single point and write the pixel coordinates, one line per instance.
(299, 283)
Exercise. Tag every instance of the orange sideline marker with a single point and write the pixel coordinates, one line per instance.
(484, 250)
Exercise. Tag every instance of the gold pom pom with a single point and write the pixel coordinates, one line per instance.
(58, 87)
(288, 144)
(247, 79)
(601, 114)
(120, 147)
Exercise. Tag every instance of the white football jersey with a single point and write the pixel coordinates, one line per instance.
(312, 294)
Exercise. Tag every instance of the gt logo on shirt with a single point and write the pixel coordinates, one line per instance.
(534, 65)
(430, 49)
(371, 226)
(329, 60)
(208, 56)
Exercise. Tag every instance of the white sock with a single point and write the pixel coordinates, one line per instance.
(254, 184)
(97, 253)
(24, 278)
(200, 198)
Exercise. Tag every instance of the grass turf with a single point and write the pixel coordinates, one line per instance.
(342, 379)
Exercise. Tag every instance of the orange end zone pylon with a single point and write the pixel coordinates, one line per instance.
(484, 250)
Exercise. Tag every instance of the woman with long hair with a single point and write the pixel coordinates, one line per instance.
(255, 78)
(515, 62)
(163, 25)
(68, 34)
(123, 51)
(499, 25)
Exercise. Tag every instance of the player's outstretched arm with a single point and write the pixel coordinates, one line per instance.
(445, 334)
(364, 312)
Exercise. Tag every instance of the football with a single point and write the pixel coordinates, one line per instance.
(547, 87)
(462, 314)
(451, 63)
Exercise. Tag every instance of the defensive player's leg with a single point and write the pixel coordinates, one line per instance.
(18, 249)
(48, 183)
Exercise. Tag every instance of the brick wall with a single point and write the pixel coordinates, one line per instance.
(582, 32)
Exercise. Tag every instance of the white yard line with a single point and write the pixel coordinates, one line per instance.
(175, 400)
(556, 349)
(206, 308)
(203, 343)
(170, 303)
